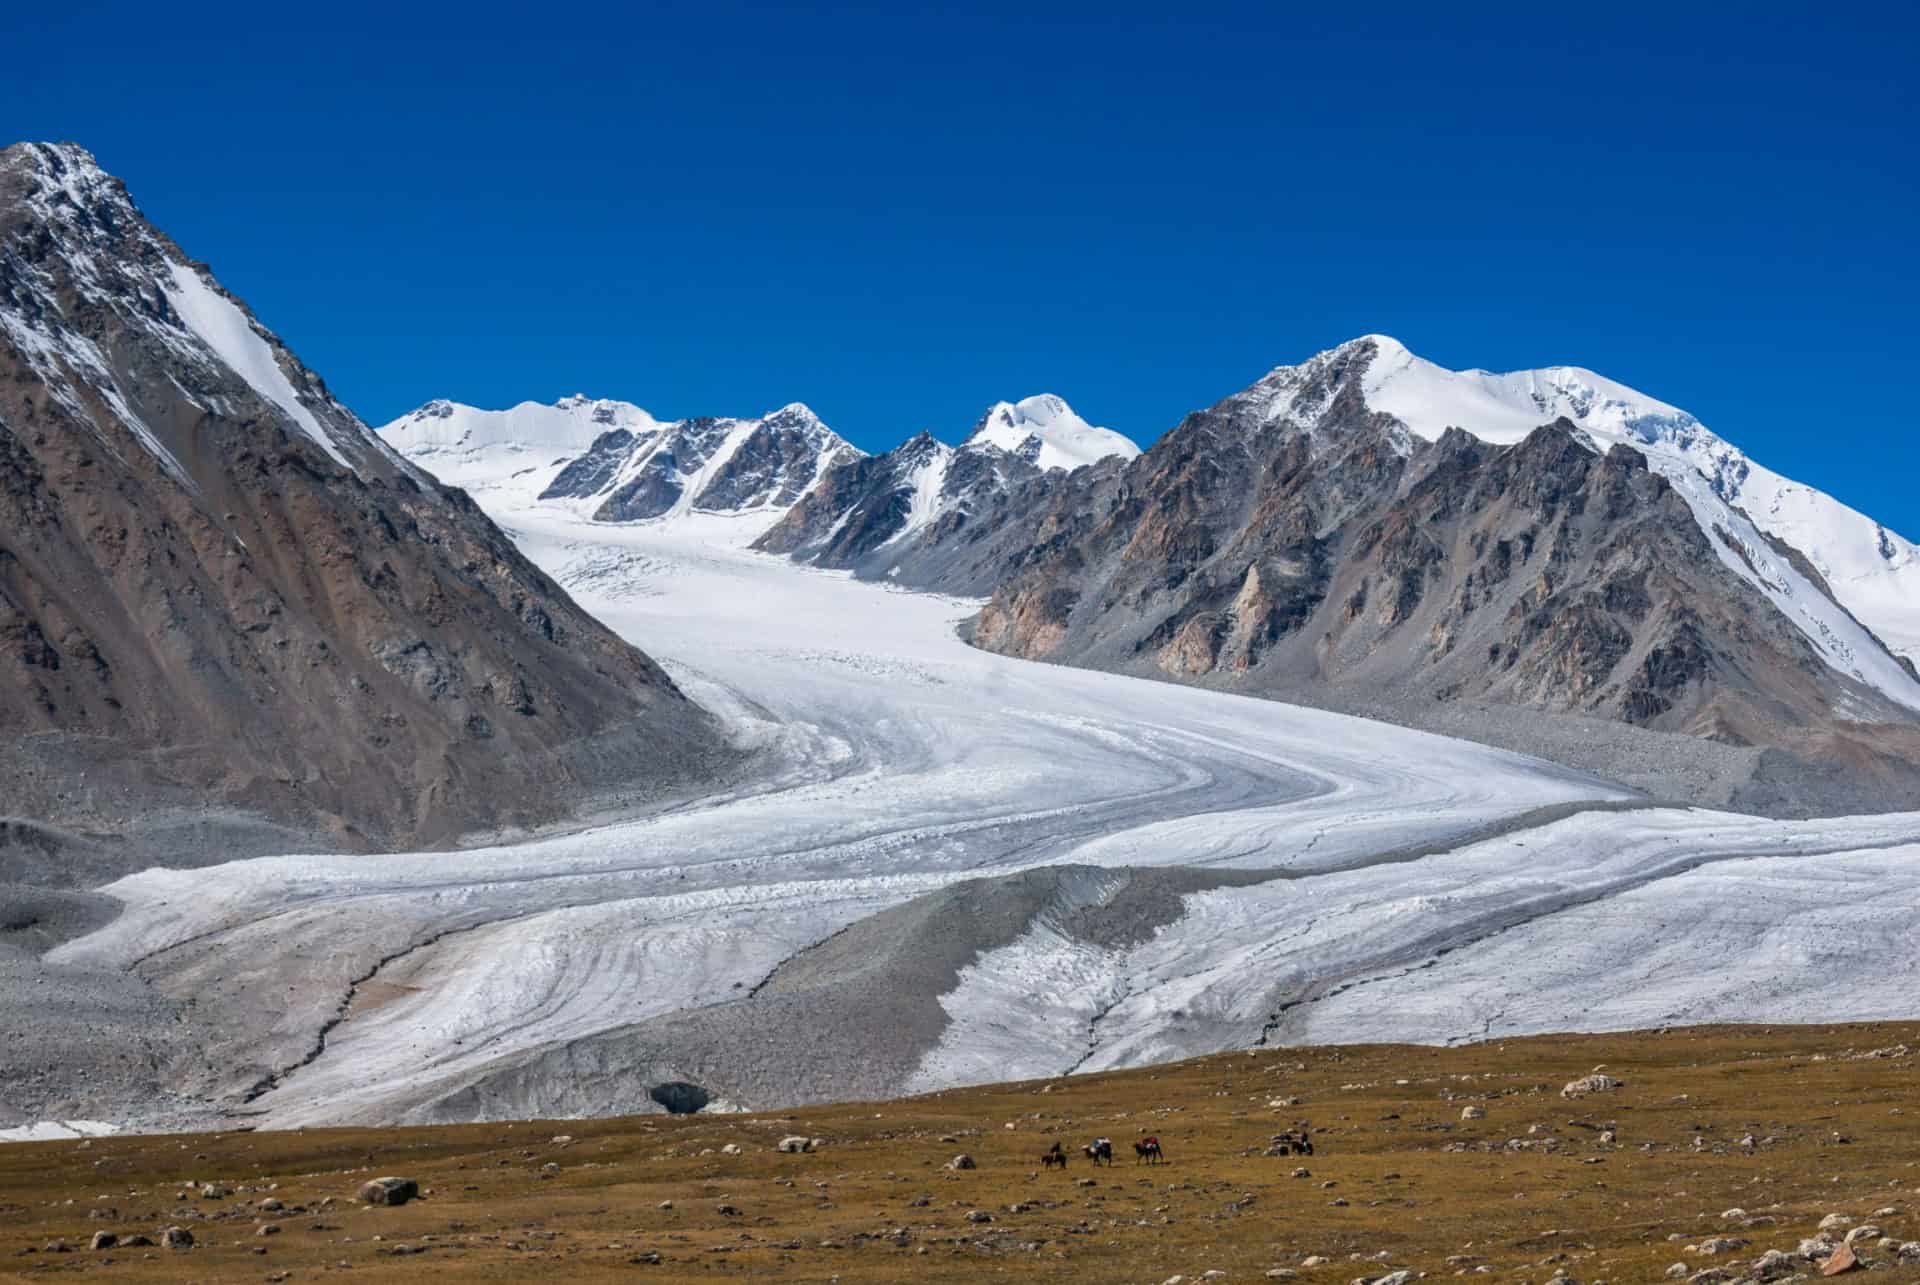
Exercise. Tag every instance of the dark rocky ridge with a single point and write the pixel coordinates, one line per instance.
(637, 476)
(857, 516)
(334, 650)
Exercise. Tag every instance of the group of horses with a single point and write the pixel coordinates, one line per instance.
(1100, 1151)
(1297, 1142)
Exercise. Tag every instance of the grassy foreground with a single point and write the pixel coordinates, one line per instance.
(1529, 1192)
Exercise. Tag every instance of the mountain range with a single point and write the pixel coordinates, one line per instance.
(1509, 557)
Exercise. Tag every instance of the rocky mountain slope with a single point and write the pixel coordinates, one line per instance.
(218, 586)
(1368, 531)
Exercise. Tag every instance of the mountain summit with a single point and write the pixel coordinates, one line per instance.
(1045, 431)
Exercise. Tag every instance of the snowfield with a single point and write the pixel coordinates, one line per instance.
(1419, 888)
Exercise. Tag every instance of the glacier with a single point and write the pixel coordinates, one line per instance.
(1412, 886)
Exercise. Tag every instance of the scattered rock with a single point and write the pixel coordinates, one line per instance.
(979, 1216)
(1841, 1260)
(267, 1229)
(796, 1143)
(1595, 1083)
(177, 1238)
(731, 1149)
(1833, 1222)
(962, 1161)
(1473, 1113)
(389, 1191)
(103, 1240)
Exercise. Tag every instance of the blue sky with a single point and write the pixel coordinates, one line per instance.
(899, 217)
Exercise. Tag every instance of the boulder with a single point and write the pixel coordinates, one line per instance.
(1595, 1083)
(389, 1191)
(962, 1161)
(177, 1238)
(103, 1240)
(1473, 1113)
(1840, 1260)
(795, 1143)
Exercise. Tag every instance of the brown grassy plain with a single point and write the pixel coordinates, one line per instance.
(1399, 1178)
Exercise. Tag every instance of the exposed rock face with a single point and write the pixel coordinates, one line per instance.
(872, 513)
(216, 585)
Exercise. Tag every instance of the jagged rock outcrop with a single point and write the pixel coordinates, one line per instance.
(218, 587)
(906, 513)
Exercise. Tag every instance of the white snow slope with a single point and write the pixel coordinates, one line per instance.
(1874, 574)
(899, 759)
(478, 449)
(1062, 440)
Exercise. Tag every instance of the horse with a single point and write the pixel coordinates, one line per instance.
(1099, 1149)
(1148, 1149)
(1292, 1143)
(1052, 1157)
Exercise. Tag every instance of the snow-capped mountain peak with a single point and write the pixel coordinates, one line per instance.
(571, 424)
(1747, 510)
(1504, 408)
(1046, 431)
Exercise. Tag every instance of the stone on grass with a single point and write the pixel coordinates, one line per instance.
(1842, 1259)
(389, 1191)
(1595, 1083)
(962, 1161)
(177, 1238)
(795, 1144)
